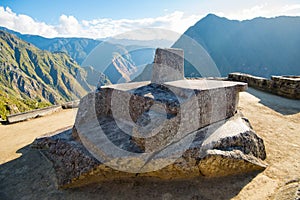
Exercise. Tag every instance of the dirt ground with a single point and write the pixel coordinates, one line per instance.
(15, 136)
(26, 174)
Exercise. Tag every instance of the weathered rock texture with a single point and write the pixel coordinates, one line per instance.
(168, 130)
(168, 65)
(70, 104)
(224, 148)
(219, 143)
(287, 86)
(179, 107)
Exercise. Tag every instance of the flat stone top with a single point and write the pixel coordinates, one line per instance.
(127, 86)
(202, 84)
(181, 90)
(247, 75)
(290, 78)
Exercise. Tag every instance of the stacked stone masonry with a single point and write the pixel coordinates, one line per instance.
(286, 86)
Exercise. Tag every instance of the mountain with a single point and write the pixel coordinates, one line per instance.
(261, 46)
(32, 78)
(145, 43)
(120, 63)
(94, 77)
(145, 75)
(76, 48)
(119, 59)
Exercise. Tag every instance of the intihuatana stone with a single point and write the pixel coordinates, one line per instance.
(168, 130)
(168, 65)
(173, 109)
(224, 148)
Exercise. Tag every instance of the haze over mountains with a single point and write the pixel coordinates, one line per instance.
(119, 59)
(41, 70)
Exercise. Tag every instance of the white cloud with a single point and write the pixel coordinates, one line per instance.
(175, 21)
(265, 10)
(25, 24)
(69, 26)
(98, 28)
(291, 9)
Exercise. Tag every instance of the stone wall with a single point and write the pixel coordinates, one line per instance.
(32, 114)
(19, 117)
(286, 86)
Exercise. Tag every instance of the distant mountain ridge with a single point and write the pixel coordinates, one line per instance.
(261, 46)
(76, 48)
(31, 78)
(119, 59)
(118, 62)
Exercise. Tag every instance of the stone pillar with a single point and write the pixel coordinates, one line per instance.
(168, 65)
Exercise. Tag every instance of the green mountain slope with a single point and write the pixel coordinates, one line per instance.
(32, 78)
(119, 59)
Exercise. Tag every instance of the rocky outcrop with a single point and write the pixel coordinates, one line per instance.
(105, 144)
(174, 106)
(172, 130)
(224, 148)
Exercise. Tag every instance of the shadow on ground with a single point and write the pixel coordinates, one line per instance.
(32, 177)
(279, 104)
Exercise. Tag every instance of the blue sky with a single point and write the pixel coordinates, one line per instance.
(98, 18)
(92, 9)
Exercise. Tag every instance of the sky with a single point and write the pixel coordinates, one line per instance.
(101, 19)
